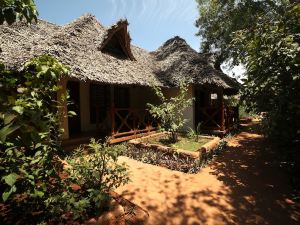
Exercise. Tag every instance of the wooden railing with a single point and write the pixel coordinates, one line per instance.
(128, 123)
(231, 116)
(210, 118)
(218, 118)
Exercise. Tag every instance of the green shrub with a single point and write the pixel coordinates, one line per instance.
(96, 173)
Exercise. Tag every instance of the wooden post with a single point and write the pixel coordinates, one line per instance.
(113, 110)
(222, 117)
(113, 123)
(97, 117)
(222, 113)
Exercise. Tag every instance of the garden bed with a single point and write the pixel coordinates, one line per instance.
(150, 150)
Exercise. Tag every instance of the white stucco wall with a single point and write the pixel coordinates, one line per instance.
(188, 114)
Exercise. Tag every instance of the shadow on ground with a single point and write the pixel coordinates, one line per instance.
(243, 185)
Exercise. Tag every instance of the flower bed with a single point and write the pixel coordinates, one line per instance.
(145, 149)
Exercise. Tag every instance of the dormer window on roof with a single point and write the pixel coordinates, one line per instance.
(117, 41)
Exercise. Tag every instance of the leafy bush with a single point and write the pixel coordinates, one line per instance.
(33, 183)
(170, 111)
(244, 112)
(29, 134)
(96, 174)
(273, 59)
(267, 43)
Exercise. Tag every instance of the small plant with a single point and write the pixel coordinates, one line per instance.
(170, 111)
(194, 133)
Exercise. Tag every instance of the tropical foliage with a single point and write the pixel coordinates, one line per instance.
(29, 133)
(264, 36)
(266, 41)
(34, 183)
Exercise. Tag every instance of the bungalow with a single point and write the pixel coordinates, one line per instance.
(110, 81)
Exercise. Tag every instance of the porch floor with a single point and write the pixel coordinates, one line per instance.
(220, 133)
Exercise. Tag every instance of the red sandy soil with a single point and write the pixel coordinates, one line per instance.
(243, 185)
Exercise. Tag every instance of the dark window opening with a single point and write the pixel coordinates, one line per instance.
(121, 97)
(99, 102)
(74, 121)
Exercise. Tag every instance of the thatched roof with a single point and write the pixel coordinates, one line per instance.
(179, 62)
(78, 45)
(87, 48)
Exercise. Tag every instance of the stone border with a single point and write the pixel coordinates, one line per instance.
(199, 154)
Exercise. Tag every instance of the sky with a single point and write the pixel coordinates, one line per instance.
(151, 22)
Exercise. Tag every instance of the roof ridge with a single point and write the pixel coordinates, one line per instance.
(85, 18)
(47, 22)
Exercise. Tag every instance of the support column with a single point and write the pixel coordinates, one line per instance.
(112, 109)
(222, 111)
(63, 110)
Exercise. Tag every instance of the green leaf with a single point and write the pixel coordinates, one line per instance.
(10, 179)
(71, 113)
(39, 104)
(7, 130)
(19, 109)
(6, 195)
(38, 193)
(8, 118)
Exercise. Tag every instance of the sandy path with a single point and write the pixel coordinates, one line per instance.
(242, 186)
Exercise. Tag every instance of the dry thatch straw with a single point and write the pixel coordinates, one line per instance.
(180, 63)
(85, 46)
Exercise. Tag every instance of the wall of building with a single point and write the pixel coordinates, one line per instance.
(188, 114)
(140, 96)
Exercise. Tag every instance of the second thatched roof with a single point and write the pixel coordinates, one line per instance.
(180, 63)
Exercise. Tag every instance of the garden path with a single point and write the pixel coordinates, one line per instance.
(244, 185)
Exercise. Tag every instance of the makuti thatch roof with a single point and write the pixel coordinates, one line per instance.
(86, 47)
(179, 62)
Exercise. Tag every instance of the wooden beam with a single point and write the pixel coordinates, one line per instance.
(222, 117)
(127, 138)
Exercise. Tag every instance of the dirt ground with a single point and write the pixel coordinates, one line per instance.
(244, 185)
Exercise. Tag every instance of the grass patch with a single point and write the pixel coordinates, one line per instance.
(183, 143)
